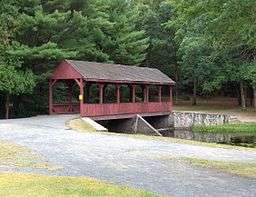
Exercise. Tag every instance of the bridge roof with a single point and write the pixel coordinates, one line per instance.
(93, 71)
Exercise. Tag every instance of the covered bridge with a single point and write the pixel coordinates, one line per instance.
(110, 91)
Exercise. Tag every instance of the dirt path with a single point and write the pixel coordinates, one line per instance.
(141, 163)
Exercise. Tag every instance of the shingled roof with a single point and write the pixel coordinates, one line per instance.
(93, 71)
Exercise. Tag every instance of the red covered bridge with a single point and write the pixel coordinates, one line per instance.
(110, 91)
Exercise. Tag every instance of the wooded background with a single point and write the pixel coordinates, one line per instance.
(207, 46)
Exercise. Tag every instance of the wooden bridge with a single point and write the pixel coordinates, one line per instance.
(110, 91)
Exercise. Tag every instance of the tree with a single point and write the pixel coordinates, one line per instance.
(227, 27)
(162, 51)
(20, 50)
(152, 19)
(250, 76)
(38, 34)
(12, 80)
(15, 82)
(198, 67)
(120, 39)
(231, 33)
(201, 44)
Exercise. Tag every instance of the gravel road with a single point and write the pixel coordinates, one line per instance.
(140, 163)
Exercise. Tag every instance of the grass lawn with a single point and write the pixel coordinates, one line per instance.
(242, 169)
(32, 185)
(245, 128)
(23, 185)
(14, 155)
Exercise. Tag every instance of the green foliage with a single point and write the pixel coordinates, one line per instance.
(34, 185)
(116, 32)
(248, 128)
(195, 63)
(226, 27)
(237, 168)
(152, 18)
(250, 73)
(48, 51)
(35, 35)
(204, 43)
(13, 81)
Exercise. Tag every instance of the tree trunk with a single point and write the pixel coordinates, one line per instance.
(254, 96)
(176, 80)
(7, 106)
(194, 100)
(242, 94)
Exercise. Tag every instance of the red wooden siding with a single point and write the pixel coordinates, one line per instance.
(65, 108)
(96, 110)
(65, 71)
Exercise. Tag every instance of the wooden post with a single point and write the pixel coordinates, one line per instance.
(147, 90)
(70, 95)
(159, 93)
(170, 93)
(81, 96)
(80, 83)
(50, 97)
(87, 97)
(145, 93)
(101, 85)
(133, 93)
(118, 93)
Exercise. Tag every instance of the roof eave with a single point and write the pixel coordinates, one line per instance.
(117, 81)
(127, 81)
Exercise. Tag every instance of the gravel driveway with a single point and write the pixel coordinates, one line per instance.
(140, 163)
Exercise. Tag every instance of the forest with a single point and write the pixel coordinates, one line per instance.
(207, 46)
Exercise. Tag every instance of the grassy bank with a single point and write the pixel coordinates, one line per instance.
(14, 155)
(248, 129)
(15, 184)
(12, 184)
(242, 169)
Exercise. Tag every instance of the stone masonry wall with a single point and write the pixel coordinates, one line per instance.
(188, 119)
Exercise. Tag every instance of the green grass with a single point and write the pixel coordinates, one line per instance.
(23, 185)
(246, 128)
(237, 168)
(14, 155)
(32, 185)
